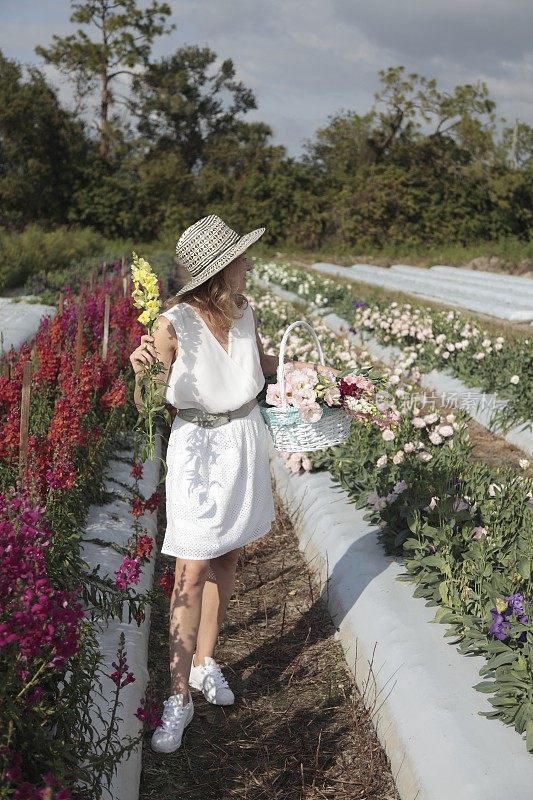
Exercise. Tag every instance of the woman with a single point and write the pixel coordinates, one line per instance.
(218, 488)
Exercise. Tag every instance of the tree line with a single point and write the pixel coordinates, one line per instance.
(150, 145)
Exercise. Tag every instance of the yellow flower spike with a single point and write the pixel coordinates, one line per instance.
(145, 296)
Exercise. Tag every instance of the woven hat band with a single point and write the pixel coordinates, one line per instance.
(196, 269)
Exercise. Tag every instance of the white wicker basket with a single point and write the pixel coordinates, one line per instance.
(290, 433)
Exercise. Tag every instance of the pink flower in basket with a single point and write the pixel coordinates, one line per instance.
(310, 392)
(306, 391)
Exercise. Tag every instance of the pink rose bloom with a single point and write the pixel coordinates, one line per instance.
(327, 372)
(418, 422)
(409, 447)
(351, 378)
(387, 435)
(272, 394)
(398, 457)
(311, 412)
(300, 380)
(429, 419)
(365, 384)
(434, 438)
(425, 457)
(303, 396)
(332, 395)
(479, 533)
(382, 460)
(400, 487)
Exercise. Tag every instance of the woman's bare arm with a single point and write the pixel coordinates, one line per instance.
(166, 347)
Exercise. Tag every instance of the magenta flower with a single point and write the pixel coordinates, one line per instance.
(121, 677)
(148, 714)
(129, 572)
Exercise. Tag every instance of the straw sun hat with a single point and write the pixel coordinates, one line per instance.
(208, 246)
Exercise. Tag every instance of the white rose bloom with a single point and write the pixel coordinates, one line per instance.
(514, 379)
(445, 430)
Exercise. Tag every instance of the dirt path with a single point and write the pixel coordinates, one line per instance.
(298, 729)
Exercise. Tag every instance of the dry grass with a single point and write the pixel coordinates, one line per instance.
(298, 729)
(494, 450)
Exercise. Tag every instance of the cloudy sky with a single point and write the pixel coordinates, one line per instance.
(308, 59)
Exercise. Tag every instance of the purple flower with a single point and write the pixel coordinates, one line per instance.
(516, 603)
(500, 626)
(500, 616)
(358, 304)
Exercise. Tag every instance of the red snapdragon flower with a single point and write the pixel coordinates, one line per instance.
(144, 547)
(166, 582)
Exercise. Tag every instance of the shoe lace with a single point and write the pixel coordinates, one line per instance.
(216, 672)
(172, 715)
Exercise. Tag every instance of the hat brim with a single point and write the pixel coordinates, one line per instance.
(222, 261)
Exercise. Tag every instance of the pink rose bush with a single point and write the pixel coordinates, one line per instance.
(428, 338)
(463, 528)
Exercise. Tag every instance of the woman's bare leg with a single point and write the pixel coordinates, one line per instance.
(185, 613)
(217, 593)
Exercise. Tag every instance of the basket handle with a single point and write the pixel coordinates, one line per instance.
(281, 372)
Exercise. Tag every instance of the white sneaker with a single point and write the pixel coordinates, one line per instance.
(176, 716)
(208, 678)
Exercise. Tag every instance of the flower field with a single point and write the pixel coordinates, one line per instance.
(428, 338)
(50, 600)
(464, 529)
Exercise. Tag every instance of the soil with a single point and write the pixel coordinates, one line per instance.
(298, 729)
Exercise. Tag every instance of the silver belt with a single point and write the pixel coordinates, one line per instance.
(212, 420)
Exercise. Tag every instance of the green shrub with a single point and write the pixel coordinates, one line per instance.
(35, 250)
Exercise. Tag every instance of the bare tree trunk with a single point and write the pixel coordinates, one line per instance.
(105, 94)
(105, 98)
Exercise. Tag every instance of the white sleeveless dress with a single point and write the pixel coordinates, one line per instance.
(218, 487)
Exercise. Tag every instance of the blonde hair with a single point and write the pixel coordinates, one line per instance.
(215, 298)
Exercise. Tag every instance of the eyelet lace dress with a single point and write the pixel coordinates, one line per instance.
(218, 486)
